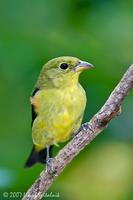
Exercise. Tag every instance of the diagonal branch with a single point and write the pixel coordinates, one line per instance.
(84, 136)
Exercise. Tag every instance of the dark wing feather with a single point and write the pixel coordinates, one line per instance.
(34, 114)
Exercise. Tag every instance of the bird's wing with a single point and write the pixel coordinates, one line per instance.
(33, 112)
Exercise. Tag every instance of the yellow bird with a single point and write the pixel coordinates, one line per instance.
(58, 103)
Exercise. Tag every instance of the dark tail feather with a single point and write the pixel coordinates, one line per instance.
(36, 156)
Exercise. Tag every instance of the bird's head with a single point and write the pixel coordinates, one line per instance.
(62, 71)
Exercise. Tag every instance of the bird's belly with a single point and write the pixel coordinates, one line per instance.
(64, 125)
(58, 120)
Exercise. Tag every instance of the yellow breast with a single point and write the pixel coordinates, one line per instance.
(59, 114)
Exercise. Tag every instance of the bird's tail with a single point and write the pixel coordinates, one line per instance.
(36, 156)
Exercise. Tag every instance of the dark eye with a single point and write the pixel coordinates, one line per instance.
(64, 66)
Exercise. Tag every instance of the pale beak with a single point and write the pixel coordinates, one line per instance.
(83, 65)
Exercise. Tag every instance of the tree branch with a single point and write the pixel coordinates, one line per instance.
(84, 136)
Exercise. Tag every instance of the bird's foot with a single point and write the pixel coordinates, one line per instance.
(84, 127)
(87, 126)
(49, 167)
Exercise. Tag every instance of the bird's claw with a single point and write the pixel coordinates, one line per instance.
(49, 168)
(87, 126)
(84, 127)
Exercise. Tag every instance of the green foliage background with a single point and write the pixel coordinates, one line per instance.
(31, 33)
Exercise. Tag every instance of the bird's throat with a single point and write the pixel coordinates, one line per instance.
(67, 81)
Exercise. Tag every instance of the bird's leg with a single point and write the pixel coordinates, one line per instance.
(49, 160)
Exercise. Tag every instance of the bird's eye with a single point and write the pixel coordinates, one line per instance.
(64, 66)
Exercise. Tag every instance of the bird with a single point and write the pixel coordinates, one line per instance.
(58, 103)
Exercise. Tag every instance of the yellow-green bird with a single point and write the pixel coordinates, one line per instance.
(58, 103)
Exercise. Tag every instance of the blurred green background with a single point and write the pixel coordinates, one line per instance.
(31, 33)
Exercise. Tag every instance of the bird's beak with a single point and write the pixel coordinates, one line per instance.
(83, 65)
